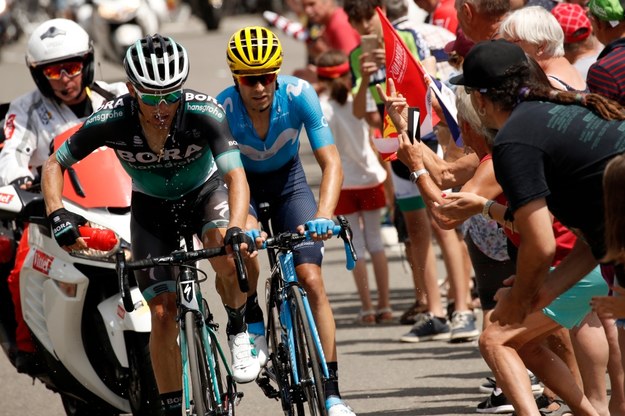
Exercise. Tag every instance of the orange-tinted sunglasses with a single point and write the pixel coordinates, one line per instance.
(55, 71)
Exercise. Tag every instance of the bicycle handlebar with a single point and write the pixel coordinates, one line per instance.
(287, 240)
(176, 258)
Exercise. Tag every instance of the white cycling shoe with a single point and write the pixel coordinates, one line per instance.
(257, 334)
(260, 344)
(245, 365)
(337, 407)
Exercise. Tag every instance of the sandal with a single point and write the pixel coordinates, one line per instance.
(562, 410)
(366, 317)
(409, 317)
(384, 315)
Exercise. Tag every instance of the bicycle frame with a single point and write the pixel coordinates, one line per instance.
(289, 278)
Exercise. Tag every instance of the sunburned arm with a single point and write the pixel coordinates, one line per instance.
(482, 184)
(535, 256)
(52, 184)
(449, 174)
(331, 179)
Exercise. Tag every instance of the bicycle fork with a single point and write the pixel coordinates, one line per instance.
(190, 302)
(286, 317)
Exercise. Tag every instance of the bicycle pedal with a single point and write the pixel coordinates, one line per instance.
(265, 385)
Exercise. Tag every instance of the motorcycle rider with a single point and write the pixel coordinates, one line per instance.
(60, 58)
(187, 174)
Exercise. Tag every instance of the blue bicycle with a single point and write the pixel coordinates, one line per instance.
(297, 363)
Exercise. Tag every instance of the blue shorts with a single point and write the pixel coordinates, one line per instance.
(292, 203)
(570, 308)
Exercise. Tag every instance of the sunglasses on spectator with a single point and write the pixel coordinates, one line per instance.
(252, 80)
(55, 71)
(155, 99)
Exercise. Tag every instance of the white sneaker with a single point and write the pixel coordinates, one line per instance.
(337, 407)
(245, 365)
(260, 345)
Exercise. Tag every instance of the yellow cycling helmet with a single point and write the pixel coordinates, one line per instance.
(254, 50)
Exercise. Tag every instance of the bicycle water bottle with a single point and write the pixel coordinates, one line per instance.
(98, 238)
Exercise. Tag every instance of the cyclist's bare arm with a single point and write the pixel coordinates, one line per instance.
(331, 179)
(52, 184)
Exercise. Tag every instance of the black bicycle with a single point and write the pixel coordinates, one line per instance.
(297, 364)
(208, 385)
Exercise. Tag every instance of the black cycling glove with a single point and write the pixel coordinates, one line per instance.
(64, 226)
(235, 235)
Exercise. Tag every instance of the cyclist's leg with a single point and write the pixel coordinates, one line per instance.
(150, 235)
(253, 312)
(212, 203)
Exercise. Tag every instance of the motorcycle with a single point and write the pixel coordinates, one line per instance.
(90, 350)
(209, 11)
(114, 25)
(10, 31)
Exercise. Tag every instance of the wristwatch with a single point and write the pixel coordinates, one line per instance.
(415, 175)
(486, 209)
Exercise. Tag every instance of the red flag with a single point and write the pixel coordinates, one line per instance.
(409, 77)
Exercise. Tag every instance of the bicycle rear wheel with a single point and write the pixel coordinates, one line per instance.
(308, 361)
(201, 382)
(278, 355)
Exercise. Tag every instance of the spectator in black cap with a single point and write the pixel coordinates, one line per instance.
(549, 155)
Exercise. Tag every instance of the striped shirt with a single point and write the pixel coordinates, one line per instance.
(607, 75)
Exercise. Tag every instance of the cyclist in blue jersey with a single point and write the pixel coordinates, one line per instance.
(187, 175)
(266, 113)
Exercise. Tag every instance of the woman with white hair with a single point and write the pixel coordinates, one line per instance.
(540, 35)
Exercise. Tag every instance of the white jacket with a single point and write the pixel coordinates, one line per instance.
(31, 124)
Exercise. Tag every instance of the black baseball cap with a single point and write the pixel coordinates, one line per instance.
(486, 63)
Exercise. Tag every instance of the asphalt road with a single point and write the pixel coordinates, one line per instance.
(379, 375)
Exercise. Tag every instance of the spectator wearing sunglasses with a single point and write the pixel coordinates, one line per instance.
(266, 113)
(60, 59)
(187, 175)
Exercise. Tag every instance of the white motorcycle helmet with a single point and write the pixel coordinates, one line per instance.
(156, 63)
(58, 40)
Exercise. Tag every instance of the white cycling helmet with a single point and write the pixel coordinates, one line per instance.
(58, 40)
(156, 63)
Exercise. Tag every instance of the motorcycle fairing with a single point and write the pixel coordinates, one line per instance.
(101, 176)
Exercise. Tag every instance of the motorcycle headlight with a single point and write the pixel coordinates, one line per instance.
(118, 11)
(102, 243)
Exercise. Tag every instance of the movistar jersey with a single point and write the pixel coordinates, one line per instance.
(199, 143)
(295, 105)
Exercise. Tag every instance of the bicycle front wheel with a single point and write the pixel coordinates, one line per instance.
(308, 360)
(278, 350)
(201, 385)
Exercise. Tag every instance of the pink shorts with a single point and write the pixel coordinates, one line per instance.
(364, 199)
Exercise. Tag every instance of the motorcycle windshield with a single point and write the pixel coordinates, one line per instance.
(100, 176)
